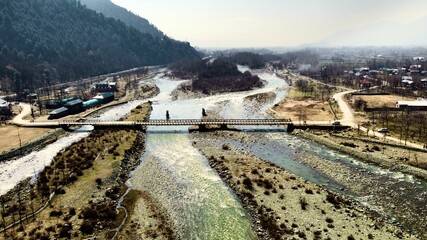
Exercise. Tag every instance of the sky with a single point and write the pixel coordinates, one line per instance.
(268, 23)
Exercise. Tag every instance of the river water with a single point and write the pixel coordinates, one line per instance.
(198, 204)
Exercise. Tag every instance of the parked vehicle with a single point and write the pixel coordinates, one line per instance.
(383, 130)
(336, 123)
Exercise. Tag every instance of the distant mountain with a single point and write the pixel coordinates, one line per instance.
(381, 34)
(43, 42)
(109, 9)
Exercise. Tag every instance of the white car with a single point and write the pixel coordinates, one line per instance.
(383, 130)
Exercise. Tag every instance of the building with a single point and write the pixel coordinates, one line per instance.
(105, 97)
(58, 113)
(106, 87)
(5, 109)
(75, 106)
(91, 103)
(419, 105)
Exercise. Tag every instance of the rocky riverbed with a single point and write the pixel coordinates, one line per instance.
(284, 205)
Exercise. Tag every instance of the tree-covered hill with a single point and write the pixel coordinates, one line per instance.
(43, 42)
(109, 9)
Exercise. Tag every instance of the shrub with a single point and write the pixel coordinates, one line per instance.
(248, 183)
(60, 191)
(72, 212)
(98, 181)
(87, 227)
(303, 203)
(308, 191)
(55, 213)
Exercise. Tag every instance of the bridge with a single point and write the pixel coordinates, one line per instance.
(202, 123)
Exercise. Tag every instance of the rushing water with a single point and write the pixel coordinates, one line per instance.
(175, 174)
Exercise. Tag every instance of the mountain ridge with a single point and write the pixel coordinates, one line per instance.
(110, 9)
(44, 42)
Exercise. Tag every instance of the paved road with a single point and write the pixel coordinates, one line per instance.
(348, 119)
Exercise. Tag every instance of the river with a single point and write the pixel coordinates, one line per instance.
(198, 204)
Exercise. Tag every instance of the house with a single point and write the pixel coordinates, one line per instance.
(106, 87)
(420, 104)
(105, 97)
(75, 106)
(5, 108)
(3, 103)
(58, 113)
(91, 103)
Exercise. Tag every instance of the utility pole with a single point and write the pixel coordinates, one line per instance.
(19, 137)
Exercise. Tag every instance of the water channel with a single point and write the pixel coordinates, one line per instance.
(175, 174)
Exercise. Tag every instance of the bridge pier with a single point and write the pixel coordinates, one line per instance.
(223, 127)
(290, 128)
(66, 128)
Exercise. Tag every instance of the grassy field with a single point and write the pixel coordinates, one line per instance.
(311, 106)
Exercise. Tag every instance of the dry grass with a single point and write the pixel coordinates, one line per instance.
(10, 140)
(107, 150)
(382, 100)
(314, 110)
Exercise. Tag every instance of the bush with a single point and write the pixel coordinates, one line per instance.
(60, 191)
(248, 183)
(303, 203)
(308, 191)
(87, 227)
(55, 213)
(98, 181)
(72, 212)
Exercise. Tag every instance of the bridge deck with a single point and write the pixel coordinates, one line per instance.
(180, 122)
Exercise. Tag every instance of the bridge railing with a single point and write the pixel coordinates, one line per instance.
(160, 122)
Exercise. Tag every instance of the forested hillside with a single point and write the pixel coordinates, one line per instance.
(110, 9)
(43, 42)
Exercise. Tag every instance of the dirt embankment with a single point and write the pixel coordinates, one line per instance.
(284, 206)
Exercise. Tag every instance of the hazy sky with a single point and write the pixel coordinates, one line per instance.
(268, 23)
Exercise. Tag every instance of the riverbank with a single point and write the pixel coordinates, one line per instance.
(284, 205)
(85, 180)
(390, 156)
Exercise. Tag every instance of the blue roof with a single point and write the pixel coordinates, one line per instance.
(59, 110)
(91, 103)
(74, 102)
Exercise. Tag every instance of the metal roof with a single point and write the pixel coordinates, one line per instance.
(74, 102)
(3, 102)
(59, 110)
